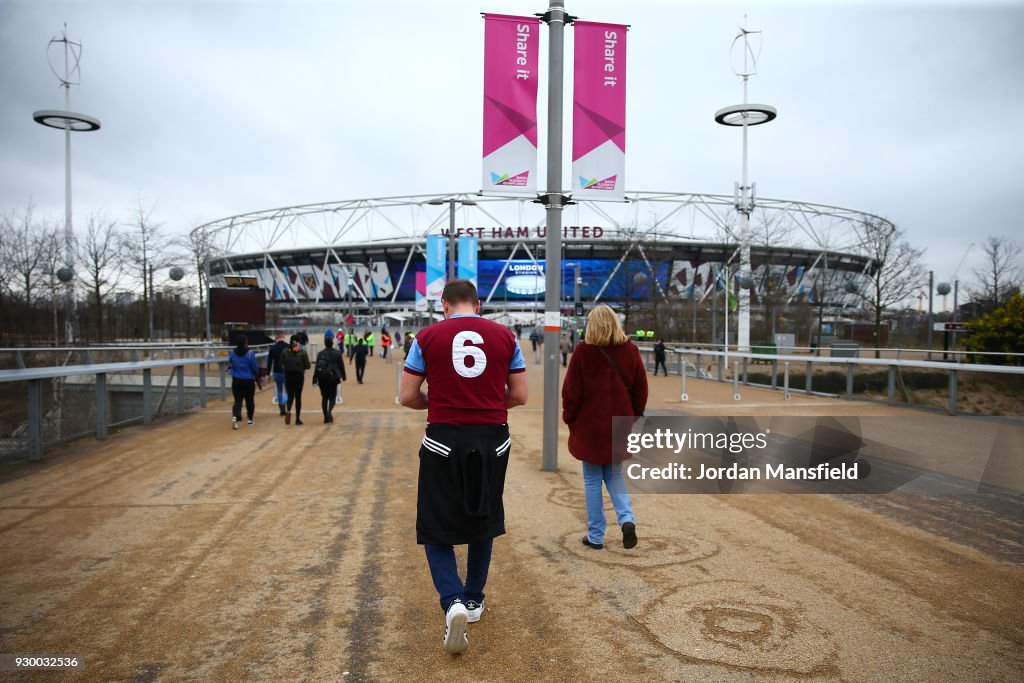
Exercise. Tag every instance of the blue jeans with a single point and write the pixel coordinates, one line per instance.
(611, 476)
(445, 572)
(282, 393)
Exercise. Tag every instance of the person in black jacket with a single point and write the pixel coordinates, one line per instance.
(359, 352)
(276, 370)
(659, 357)
(329, 372)
(295, 362)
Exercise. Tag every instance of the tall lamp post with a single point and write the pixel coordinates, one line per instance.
(743, 116)
(68, 121)
(451, 202)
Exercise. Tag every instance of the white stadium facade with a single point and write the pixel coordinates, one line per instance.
(360, 257)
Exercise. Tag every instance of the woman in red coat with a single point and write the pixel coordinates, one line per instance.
(594, 391)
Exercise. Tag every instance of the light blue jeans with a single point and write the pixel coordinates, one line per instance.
(282, 393)
(610, 476)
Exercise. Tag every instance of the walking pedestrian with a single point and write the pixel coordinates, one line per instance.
(564, 347)
(330, 371)
(295, 361)
(276, 370)
(606, 377)
(407, 344)
(535, 339)
(370, 340)
(475, 373)
(385, 343)
(359, 352)
(659, 357)
(244, 370)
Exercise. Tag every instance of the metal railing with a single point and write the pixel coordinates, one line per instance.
(43, 406)
(690, 361)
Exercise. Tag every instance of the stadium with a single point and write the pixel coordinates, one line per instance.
(656, 252)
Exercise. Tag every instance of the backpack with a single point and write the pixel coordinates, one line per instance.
(324, 372)
(290, 361)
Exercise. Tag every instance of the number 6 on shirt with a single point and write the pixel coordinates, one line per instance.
(462, 349)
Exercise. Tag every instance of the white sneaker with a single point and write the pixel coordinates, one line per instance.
(475, 610)
(234, 423)
(455, 619)
(251, 422)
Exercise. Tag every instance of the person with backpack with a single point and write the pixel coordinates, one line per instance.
(276, 370)
(329, 372)
(295, 362)
(244, 371)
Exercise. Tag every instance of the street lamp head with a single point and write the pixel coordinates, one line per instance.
(943, 288)
(177, 273)
(745, 114)
(443, 202)
(65, 274)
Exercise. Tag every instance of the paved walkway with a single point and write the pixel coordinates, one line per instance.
(190, 551)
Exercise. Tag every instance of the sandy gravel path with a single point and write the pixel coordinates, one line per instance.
(187, 551)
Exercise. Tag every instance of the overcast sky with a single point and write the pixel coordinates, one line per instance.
(907, 110)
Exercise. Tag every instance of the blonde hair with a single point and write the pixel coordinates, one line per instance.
(603, 328)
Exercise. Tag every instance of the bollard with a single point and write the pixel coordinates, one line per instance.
(785, 380)
(398, 383)
(892, 385)
(849, 380)
(735, 383)
(682, 380)
(810, 373)
(179, 406)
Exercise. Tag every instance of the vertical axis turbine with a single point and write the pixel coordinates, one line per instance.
(69, 122)
(744, 115)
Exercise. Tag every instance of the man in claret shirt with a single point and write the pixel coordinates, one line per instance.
(475, 372)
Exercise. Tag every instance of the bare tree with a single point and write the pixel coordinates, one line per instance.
(1000, 275)
(25, 250)
(100, 257)
(145, 251)
(197, 245)
(896, 269)
(771, 285)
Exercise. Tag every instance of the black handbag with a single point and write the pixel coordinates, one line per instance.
(632, 399)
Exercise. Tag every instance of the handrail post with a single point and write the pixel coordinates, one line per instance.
(101, 405)
(35, 419)
(849, 380)
(179, 407)
(808, 379)
(202, 384)
(892, 385)
(952, 392)
(147, 396)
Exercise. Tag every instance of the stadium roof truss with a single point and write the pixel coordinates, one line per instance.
(360, 230)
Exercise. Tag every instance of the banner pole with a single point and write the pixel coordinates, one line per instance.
(553, 200)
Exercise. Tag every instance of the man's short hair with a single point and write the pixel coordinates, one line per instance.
(460, 292)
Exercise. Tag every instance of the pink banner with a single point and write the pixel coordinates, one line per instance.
(510, 104)
(599, 111)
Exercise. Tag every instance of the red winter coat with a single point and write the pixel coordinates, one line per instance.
(593, 393)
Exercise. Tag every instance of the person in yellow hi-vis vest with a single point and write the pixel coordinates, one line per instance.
(369, 341)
